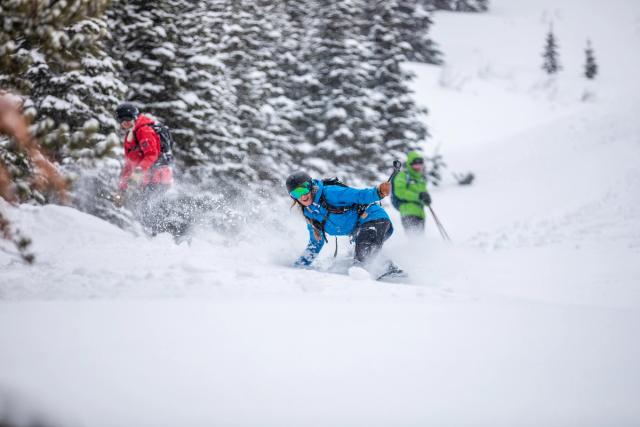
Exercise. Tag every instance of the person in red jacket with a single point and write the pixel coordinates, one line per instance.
(143, 163)
(142, 150)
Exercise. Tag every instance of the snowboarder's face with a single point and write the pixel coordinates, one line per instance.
(126, 124)
(306, 200)
(303, 194)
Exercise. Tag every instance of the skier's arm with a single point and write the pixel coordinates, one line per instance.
(402, 191)
(149, 145)
(349, 196)
(312, 250)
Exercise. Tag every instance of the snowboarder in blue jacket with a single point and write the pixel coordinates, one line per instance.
(331, 208)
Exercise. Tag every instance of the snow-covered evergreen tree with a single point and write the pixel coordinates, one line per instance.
(299, 104)
(399, 117)
(347, 133)
(149, 40)
(472, 5)
(590, 66)
(247, 47)
(551, 63)
(414, 22)
(53, 55)
(212, 132)
(458, 5)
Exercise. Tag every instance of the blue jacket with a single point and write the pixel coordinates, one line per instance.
(339, 224)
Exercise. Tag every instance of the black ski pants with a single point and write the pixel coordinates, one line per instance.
(370, 237)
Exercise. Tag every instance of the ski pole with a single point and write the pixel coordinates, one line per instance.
(396, 168)
(441, 229)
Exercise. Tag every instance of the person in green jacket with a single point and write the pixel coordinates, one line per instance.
(410, 194)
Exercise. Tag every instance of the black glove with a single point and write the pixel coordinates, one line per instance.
(425, 198)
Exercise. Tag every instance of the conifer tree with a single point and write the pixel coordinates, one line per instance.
(414, 22)
(347, 133)
(551, 64)
(149, 40)
(212, 132)
(298, 106)
(472, 5)
(590, 66)
(400, 119)
(53, 55)
(458, 5)
(247, 47)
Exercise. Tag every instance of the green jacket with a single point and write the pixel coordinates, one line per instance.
(407, 186)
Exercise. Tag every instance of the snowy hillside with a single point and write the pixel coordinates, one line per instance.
(529, 318)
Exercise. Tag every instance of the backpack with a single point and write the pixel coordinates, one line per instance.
(166, 144)
(395, 200)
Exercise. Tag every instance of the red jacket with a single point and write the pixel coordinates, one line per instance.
(144, 155)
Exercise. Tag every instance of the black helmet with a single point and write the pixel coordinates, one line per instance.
(297, 179)
(127, 111)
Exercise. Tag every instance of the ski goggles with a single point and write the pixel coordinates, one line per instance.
(298, 192)
(418, 161)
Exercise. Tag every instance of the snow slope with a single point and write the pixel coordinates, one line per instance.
(531, 317)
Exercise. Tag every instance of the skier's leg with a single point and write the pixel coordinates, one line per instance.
(370, 238)
(413, 225)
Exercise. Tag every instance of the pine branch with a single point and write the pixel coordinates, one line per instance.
(16, 126)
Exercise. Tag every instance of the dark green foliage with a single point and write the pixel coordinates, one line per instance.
(20, 242)
(458, 5)
(414, 21)
(53, 56)
(551, 63)
(590, 66)
(247, 49)
(343, 135)
(148, 41)
(401, 121)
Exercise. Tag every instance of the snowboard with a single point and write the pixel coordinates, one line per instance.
(391, 276)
